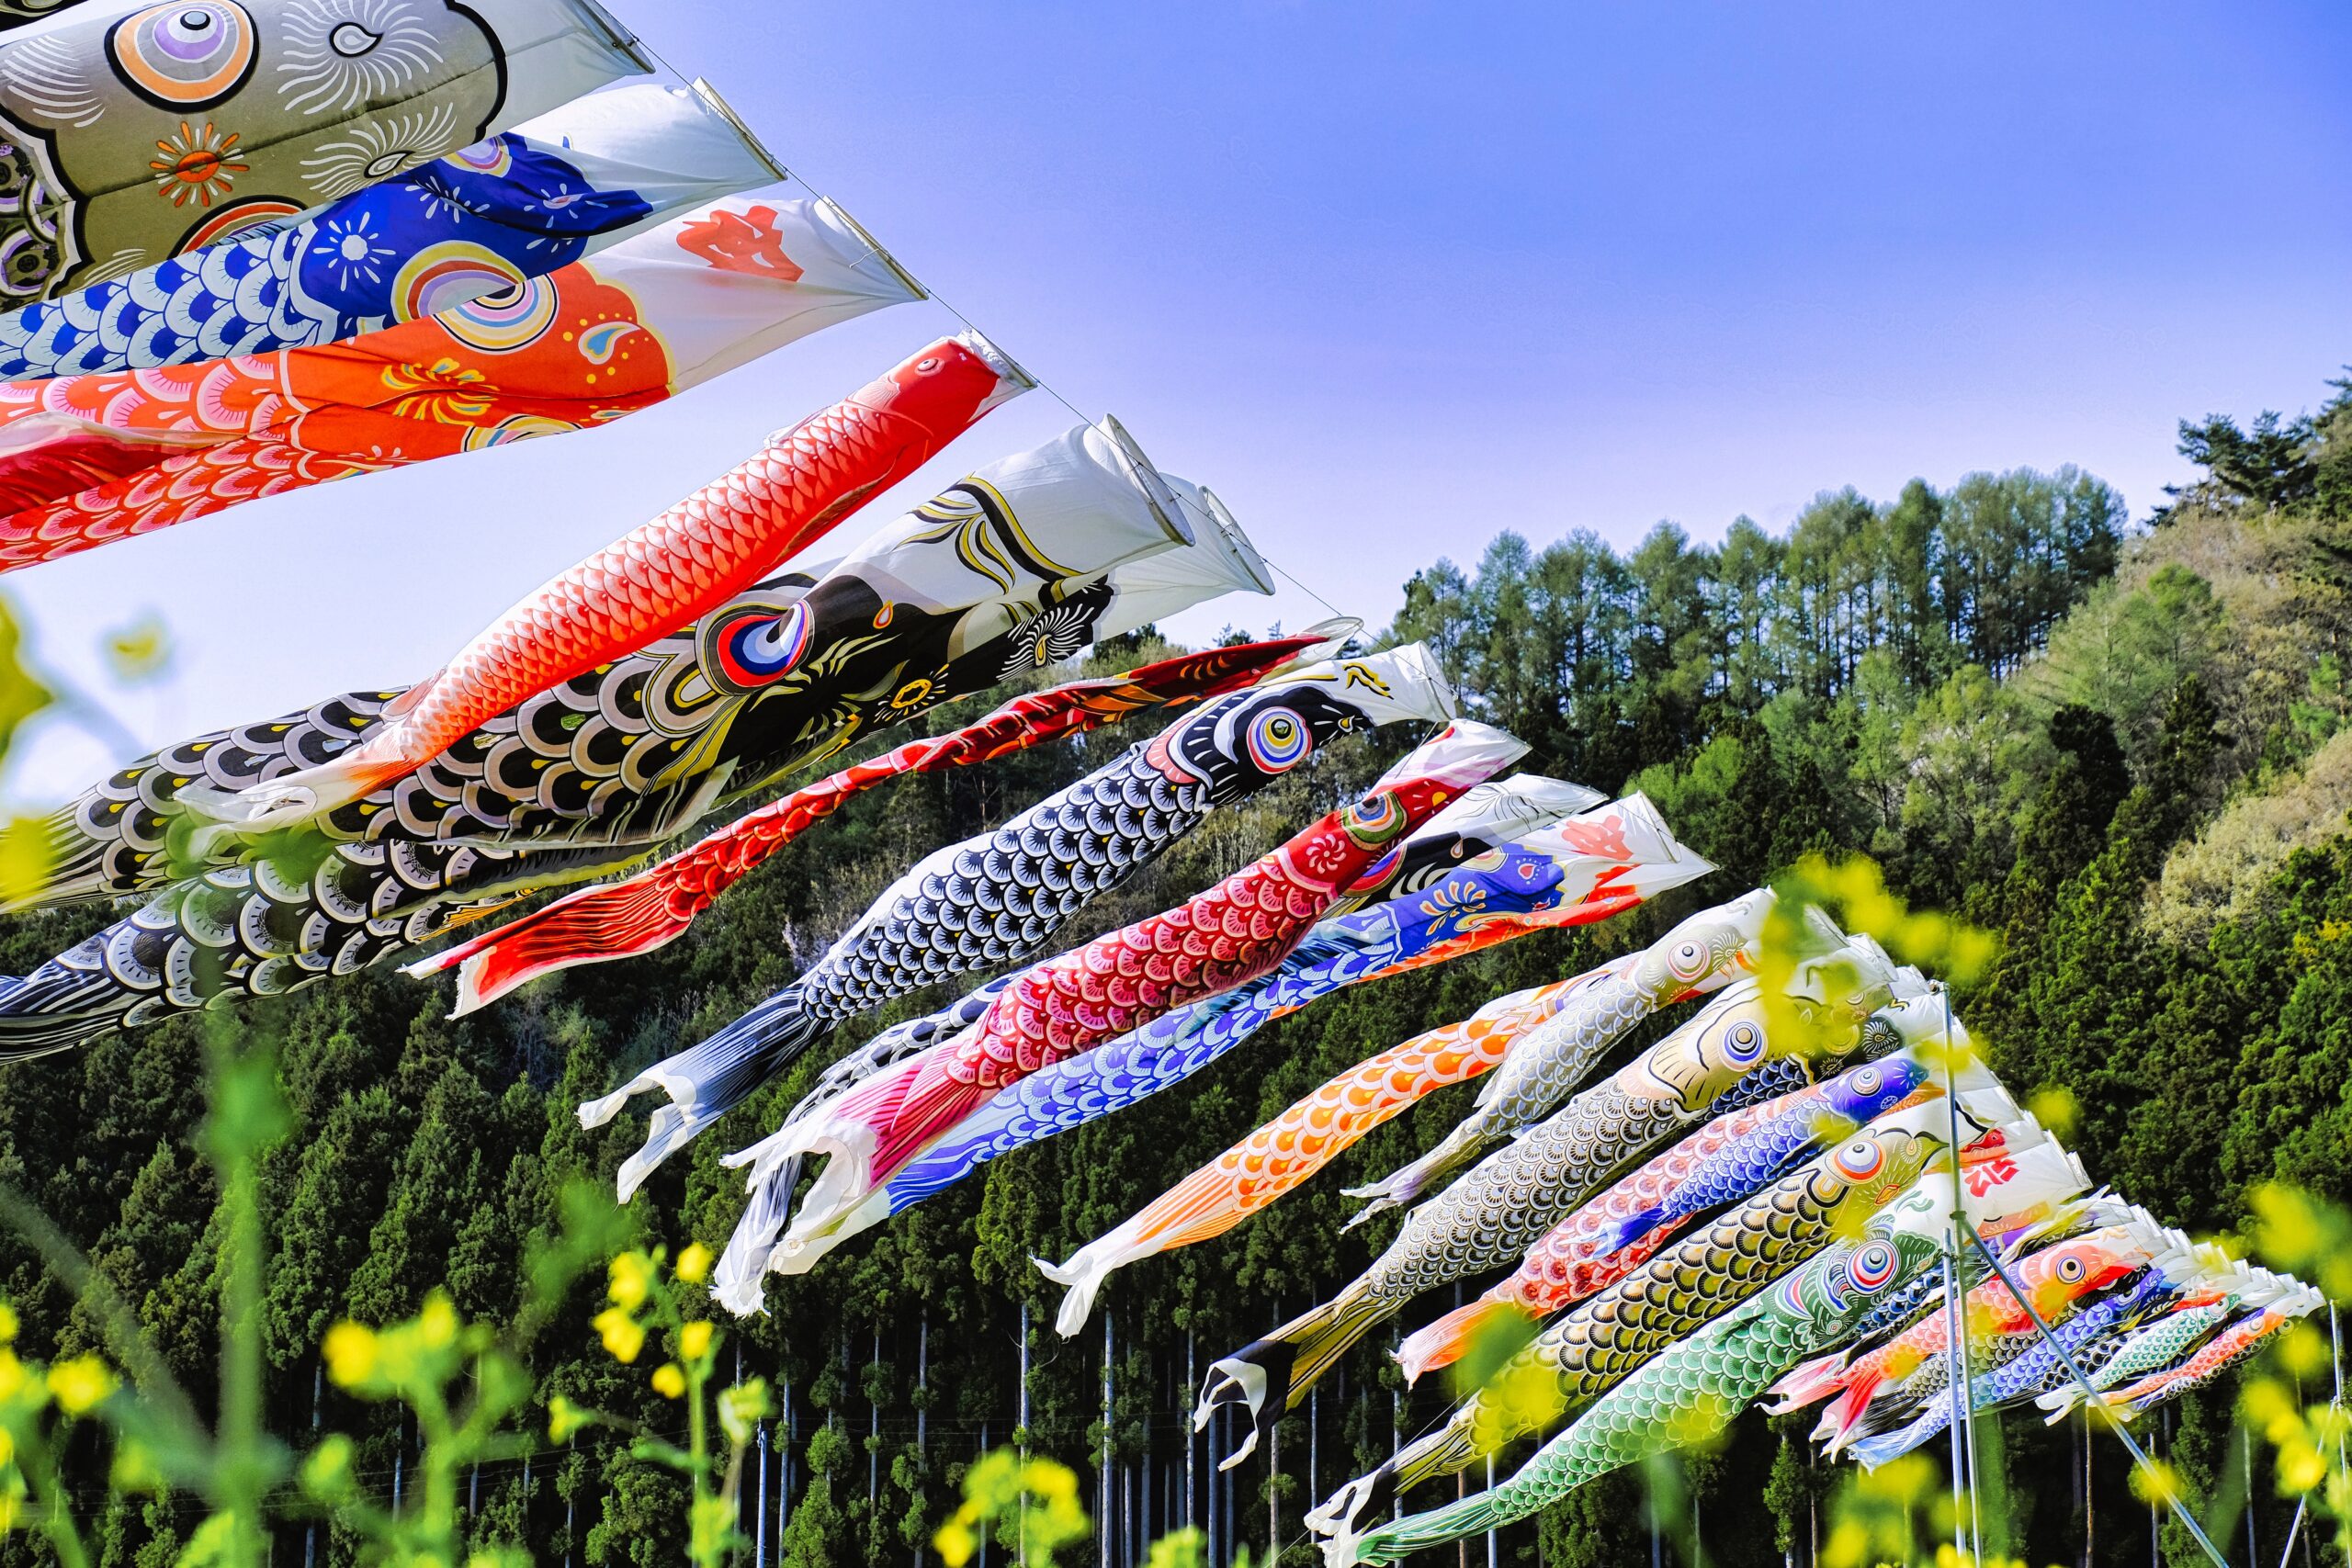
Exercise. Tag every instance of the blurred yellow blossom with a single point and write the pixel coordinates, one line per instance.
(669, 1379)
(352, 1354)
(623, 1337)
(630, 1277)
(694, 1339)
(694, 1264)
(81, 1385)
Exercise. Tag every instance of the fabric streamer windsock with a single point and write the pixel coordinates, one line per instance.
(1287, 1151)
(1493, 1214)
(625, 753)
(89, 459)
(1598, 864)
(2088, 1337)
(1554, 1059)
(2054, 1277)
(139, 131)
(1484, 820)
(647, 911)
(1620, 1228)
(2239, 1341)
(2225, 1293)
(676, 569)
(947, 600)
(998, 897)
(1696, 1386)
(1218, 940)
(480, 220)
(1695, 1280)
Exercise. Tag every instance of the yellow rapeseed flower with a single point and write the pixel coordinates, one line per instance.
(669, 1379)
(629, 1279)
(437, 1324)
(565, 1419)
(694, 1340)
(7, 1324)
(623, 1337)
(80, 1386)
(12, 1375)
(694, 1264)
(352, 1354)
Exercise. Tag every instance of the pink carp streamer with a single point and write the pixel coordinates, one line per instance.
(1234, 932)
(2224, 1350)
(2055, 1277)
(1640, 858)
(688, 561)
(653, 908)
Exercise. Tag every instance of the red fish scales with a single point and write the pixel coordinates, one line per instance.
(643, 585)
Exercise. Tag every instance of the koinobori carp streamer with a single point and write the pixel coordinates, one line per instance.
(1596, 865)
(1224, 936)
(999, 897)
(645, 912)
(86, 460)
(137, 131)
(478, 220)
(677, 567)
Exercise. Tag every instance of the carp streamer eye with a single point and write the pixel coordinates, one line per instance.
(1688, 960)
(1744, 1043)
(1870, 1268)
(1278, 741)
(1860, 1161)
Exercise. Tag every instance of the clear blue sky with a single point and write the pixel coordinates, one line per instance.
(1392, 278)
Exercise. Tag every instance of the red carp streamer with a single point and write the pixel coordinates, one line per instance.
(1234, 932)
(640, 913)
(690, 561)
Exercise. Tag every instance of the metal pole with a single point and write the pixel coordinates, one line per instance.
(1964, 1490)
(760, 1508)
(1105, 1503)
(2092, 1397)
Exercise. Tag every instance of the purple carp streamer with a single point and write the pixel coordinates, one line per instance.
(999, 897)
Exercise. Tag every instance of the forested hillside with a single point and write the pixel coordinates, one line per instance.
(2123, 747)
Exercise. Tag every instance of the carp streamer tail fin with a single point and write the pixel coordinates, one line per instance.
(1447, 1341)
(594, 925)
(1272, 1374)
(1409, 1183)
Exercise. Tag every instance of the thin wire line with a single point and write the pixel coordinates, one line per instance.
(793, 173)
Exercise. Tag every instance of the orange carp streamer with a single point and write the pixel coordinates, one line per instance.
(1313, 1133)
(653, 908)
(688, 561)
(86, 460)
